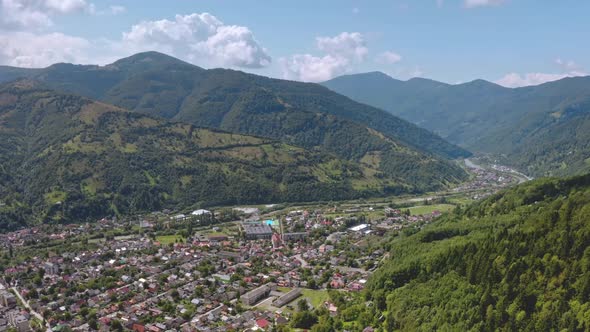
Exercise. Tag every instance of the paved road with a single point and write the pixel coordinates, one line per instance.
(33, 312)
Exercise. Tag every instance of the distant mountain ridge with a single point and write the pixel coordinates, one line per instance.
(542, 130)
(301, 114)
(158, 84)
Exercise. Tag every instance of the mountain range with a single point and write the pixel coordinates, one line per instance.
(157, 84)
(66, 157)
(542, 130)
(150, 131)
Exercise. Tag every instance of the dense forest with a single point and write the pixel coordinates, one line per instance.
(517, 261)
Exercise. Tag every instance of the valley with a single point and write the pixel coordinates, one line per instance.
(303, 166)
(118, 219)
(208, 262)
(256, 203)
(67, 158)
(540, 130)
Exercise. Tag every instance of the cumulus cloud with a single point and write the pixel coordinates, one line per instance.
(26, 39)
(568, 69)
(340, 53)
(346, 45)
(309, 68)
(199, 37)
(482, 3)
(26, 49)
(388, 57)
(63, 6)
(35, 14)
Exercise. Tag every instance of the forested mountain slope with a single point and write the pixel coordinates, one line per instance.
(517, 261)
(67, 158)
(542, 130)
(157, 84)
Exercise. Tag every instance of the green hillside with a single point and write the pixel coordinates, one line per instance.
(517, 261)
(67, 158)
(157, 84)
(542, 130)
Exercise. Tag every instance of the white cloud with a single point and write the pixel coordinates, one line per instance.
(309, 68)
(355, 10)
(235, 46)
(110, 10)
(569, 66)
(568, 69)
(198, 38)
(340, 53)
(482, 3)
(388, 57)
(515, 80)
(116, 9)
(35, 14)
(64, 6)
(26, 41)
(440, 3)
(346, 44)
(26, 49)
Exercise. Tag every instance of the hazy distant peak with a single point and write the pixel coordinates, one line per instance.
(373, 76)
(482, 82)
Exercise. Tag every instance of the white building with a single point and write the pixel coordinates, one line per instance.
(359, 228)
(200, 212)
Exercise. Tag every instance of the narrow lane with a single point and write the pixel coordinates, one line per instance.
(33, 312)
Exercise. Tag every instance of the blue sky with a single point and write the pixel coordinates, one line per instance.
(512, 42)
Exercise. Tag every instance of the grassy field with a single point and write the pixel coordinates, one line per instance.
(315, 297)
(427, 209)
(167, 239)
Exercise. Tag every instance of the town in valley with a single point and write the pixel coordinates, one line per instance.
(223, 269)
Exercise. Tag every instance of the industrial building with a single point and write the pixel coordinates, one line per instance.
(256, 231)
(288, 297)
(255, 295)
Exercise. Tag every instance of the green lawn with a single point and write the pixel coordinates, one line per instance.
(167, 239)
(427, 209)
(315, 297)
